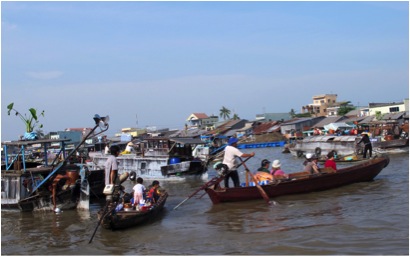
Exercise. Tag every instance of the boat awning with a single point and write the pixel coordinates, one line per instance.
(192, 141)
(338, 125)
(329, 138)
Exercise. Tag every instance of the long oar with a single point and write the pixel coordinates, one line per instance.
(99, 222)
(211, 182)
(260, 189)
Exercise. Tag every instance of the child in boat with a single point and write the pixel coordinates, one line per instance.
(276, 172)
(139, 190)
(330, 162)
(153, 193)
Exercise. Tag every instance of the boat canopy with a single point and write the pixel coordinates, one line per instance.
(339, 125)
(333, 138)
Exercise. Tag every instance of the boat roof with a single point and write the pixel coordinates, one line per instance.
(34, 142)
(183, 140)
(330, 138)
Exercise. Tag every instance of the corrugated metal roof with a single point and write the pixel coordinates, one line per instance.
(393, 116)
(367, 119)
(329, 120)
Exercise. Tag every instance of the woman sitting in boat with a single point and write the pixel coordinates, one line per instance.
(330, 162)
(276, 172)
(311, 164)
(153, 193)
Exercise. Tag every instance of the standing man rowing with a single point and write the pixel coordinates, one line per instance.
(231, 152)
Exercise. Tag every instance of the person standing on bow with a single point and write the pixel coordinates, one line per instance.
(111, 165)
(231, 153)
(367, 145)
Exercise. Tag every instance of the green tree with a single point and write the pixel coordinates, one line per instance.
(236, 117)
(344, 108)
(224, 113)
(379, 115)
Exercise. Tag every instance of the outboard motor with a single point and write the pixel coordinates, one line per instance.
(112, 192)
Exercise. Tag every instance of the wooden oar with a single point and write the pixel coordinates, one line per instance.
(260, 189)
(211, 182)
(105, 211)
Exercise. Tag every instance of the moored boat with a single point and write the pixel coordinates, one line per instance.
(130, 217)
(160, 158)
(48, 186)
(302, 182)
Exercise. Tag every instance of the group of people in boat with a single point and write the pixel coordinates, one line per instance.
(267, 171)
(141, 194)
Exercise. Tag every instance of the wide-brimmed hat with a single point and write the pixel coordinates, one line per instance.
(276, 164)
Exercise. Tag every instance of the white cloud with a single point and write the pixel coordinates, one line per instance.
(45, 75)
(7, 26)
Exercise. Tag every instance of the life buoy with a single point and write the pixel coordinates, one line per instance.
(318, 151)
(133, 175)
(299, 153)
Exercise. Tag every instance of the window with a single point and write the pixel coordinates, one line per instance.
(394, 109)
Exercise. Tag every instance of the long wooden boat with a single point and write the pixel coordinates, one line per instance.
(302, 182)
(129, 218)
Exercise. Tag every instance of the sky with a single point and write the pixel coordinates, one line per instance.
(152, 64)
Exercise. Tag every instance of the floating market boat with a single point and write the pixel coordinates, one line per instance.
(160, 158)
(301, 182)
(129, 216)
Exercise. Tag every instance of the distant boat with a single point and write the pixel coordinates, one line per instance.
(160, 158)
(321, 145)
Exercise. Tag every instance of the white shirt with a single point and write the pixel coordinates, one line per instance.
(230, 156)
(139, 188)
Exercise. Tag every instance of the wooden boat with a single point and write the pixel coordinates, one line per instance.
(129, 218)
(302, 182)
(321, 145)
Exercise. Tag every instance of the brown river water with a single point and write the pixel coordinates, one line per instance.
(369, 218)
